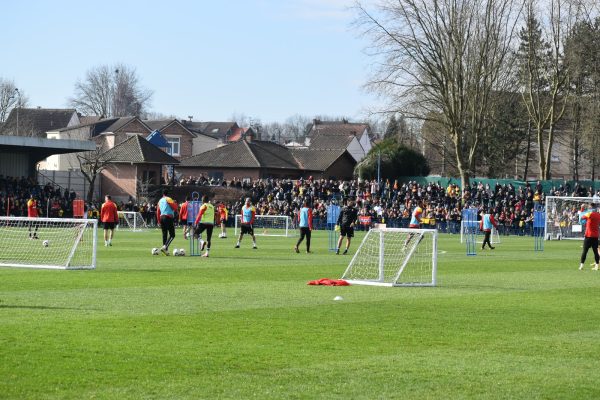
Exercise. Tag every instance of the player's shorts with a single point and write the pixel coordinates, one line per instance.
(347, 231)
(204, 227)
(247, 229)
(414, 226)
(109, 225)
(222, 221)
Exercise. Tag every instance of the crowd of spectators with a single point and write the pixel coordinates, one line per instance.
(390, 202)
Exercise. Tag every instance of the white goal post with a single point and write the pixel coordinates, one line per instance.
(395, 257)
(55, 243)
(494, 237)
(268, 225)
(562, 217)
(131, 220)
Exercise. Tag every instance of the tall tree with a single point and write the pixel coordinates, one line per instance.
(391, 130)
(544, 77)
(111, 91)
(443, 59)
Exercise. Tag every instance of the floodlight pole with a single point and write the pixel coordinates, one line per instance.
(18, 106)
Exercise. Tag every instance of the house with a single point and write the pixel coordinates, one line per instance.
(340, 135)
(35, 122)
(133, 165)
(255, 159)
(107, 133)
(224, 132)
(181, 139)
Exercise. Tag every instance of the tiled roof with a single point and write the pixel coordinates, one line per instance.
(36, 122)
(164, 123)
(105, 125)
(138, 150)
(331, 142)
(316, 160)
(243, 154)
(121, 122)
(338, 128)
(88, 119)
(217, 130)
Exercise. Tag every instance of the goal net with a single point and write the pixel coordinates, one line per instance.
(268, 225)
(132, 221)
(395, 257)
(563, 217)
(467, 227)
(58, 243)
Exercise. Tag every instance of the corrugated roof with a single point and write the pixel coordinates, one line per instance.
(138, 150)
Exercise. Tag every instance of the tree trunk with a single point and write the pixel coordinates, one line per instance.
(527, 151)
(541, 151)
(90, 193)
(461, 164)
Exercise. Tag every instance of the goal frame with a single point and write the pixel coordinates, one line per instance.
(381, 281)
(289, 231)
(78, 221)
(547, 234)
(133, 228)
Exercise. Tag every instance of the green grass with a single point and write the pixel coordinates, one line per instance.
(508, 323)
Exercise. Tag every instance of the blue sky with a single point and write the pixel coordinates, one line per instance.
(267, 59)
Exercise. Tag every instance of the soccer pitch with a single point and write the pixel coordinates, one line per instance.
(507, 323)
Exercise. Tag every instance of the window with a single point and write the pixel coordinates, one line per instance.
(149, 177)
(174, 145)
(555, 159)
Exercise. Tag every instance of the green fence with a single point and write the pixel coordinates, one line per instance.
(546, 185)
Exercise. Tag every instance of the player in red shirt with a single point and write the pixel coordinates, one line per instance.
(109, 216)
(592, 222)
(32, 212)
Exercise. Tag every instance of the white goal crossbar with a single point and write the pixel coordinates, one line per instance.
(55, 243)
(268, 225)
(395, 257)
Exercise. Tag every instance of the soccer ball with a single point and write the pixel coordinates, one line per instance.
(182, 252)
(175, 252)
(46, 243)
(154, 251)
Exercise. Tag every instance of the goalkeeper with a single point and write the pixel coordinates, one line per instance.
(345, 225)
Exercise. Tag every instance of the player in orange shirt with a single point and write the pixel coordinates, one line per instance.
(32, 212)
(222, 214)
(183, 217)
(109, 217)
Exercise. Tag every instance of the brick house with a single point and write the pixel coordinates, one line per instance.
(107, 133)
(183, 142)
(134, 164)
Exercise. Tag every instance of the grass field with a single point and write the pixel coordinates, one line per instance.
(508, 323)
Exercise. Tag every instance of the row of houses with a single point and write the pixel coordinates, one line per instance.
(150, 151)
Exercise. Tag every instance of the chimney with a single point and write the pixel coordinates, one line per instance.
(316, 121)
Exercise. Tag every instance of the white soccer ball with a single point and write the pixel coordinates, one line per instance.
(154, 251)
(182, 252)
(46, 243)
(176, 252)
(338, 298)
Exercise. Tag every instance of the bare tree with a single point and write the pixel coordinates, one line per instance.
(111, 91)
(10, 97)
(91, 164)
(544, 77)
(442, 59)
